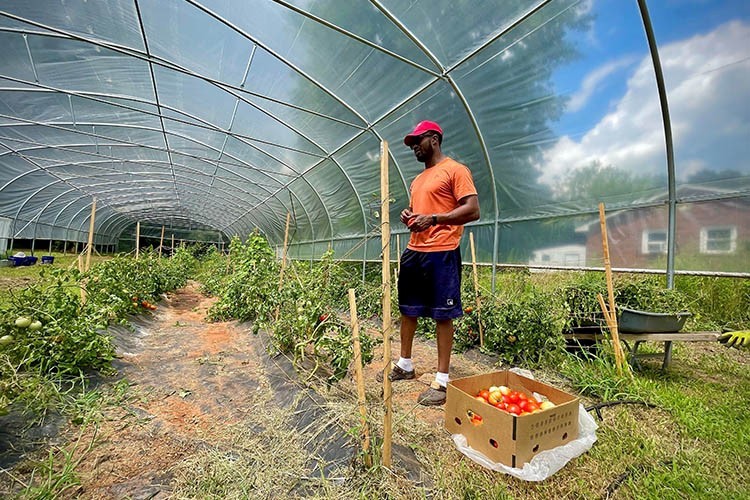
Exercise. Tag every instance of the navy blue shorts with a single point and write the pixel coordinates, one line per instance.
(429, 285)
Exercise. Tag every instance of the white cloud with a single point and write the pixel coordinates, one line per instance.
(708, 90)
(593, 80)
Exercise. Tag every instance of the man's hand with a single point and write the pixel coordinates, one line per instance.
(736, 339)
(406, 214)
(419, 222)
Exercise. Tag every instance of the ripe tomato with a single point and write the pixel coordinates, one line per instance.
(514, 409)
(523, 404)
(522, 396)
(532, 406)
(513, 397)
(500, 406)
(485, 394)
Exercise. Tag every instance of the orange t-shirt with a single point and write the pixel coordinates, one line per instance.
(435, 191)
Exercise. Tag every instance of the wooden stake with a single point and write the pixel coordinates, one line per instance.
(137, 239)
(161, 241)
(83, 282)
(283, 250)
(172, 243)
(283, 259)
(365, 432)
(612, 322)
(476, 289)
(385, 239)
(91, 235)
(612, 325)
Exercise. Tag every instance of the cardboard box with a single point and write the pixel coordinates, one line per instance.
(503, 437)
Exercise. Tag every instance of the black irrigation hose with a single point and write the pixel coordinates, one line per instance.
(599, 406)
(631, 471)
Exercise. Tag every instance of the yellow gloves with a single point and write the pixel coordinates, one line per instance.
(736, 339)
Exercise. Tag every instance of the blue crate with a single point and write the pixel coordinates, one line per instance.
(48, 259)
(22, 261)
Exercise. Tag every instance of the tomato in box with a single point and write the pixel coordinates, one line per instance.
(503, 437)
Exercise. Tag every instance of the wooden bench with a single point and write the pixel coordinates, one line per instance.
(639, 338)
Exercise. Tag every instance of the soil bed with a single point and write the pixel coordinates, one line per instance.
(193, 383)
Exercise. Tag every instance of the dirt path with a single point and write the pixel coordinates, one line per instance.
(192, 380)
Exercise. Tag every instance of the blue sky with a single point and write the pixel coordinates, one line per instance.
(613, 113)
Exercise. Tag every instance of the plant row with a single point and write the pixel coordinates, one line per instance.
(522, 322)
(302, 307)
(56, 327)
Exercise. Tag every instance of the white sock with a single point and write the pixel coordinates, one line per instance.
(405, 364)
(442, 378)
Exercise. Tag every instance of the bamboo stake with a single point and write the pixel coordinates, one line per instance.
(283, 259)
(476, 289)
(172, 243)
(385, 238)
(137, 239)
(605, 310)
(612, 322)
(360, 378)
(283, 250)
(161, 241)
(612, 325)
(83, 282)
(91, 235)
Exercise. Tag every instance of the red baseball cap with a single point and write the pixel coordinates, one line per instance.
(420, 129)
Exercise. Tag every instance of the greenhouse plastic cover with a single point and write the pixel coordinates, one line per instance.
(225, 116)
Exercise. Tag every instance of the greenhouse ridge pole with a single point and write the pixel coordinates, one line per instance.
(668, 143)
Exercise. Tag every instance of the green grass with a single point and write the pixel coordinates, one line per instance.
(693, 441)
(13, 277)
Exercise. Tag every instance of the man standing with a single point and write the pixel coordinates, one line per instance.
(442, 199)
